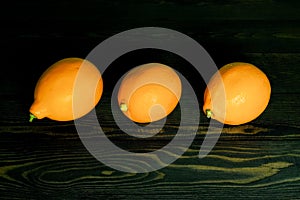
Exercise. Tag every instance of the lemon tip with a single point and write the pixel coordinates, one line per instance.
(123, 107)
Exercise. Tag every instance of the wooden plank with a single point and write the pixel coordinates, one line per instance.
(247, 35)
(281, 113)
(281, 68)
(47, 160)
(152, 10)
(45, 166)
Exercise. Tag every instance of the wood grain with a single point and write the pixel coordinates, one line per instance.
(61, 168)
(47, 160)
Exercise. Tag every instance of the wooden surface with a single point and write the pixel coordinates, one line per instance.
(47, 160)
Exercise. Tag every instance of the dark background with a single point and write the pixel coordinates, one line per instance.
(45, 159)
(35, 34)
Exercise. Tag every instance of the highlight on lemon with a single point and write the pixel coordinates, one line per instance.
(55, 90)
(247, 93)
(149, 92)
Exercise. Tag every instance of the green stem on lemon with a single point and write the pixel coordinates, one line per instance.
(208, 113)
(123, 107)
(31, 117)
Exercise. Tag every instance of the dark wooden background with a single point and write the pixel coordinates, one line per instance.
(46, 159)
